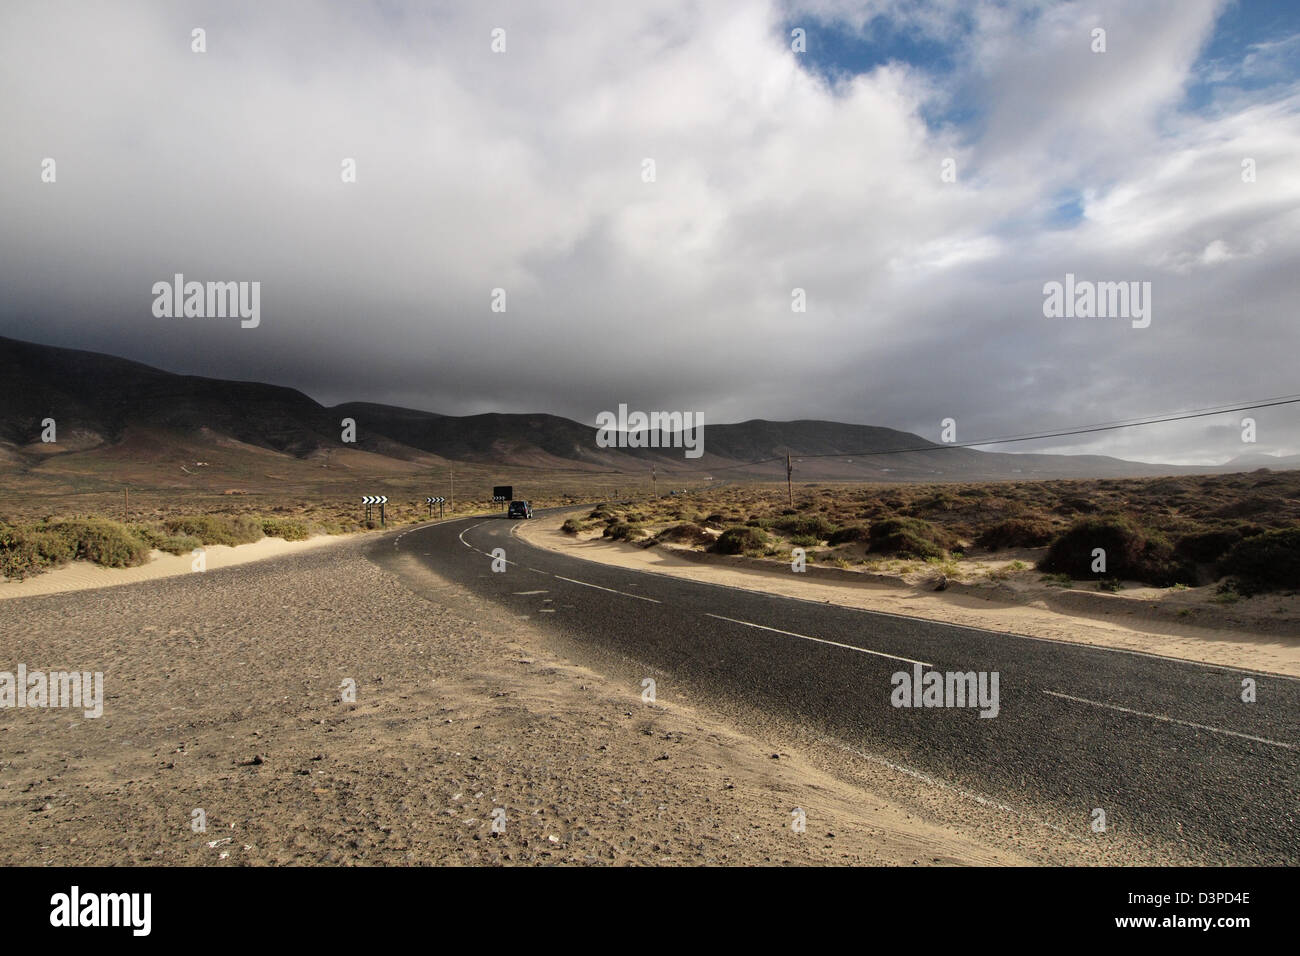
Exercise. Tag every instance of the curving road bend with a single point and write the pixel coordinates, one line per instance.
(1166, 748)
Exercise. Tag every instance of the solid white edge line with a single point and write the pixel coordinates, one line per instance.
(598, 587)
(929, 620)
(820, 640)
(1174, 720)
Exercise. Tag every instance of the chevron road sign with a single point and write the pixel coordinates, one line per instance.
(370, 501)
(435, 501)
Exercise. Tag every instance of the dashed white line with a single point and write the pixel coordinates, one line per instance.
(639, 597)
(819, 640)
(1174, 720)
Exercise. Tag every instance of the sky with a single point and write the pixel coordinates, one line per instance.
(920, 171)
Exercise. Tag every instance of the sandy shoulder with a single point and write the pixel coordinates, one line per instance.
(1270, 653)
(83, 575)
(225, 696)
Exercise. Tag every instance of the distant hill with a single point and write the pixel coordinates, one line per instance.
(112, 409)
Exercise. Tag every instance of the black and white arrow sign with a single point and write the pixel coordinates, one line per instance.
(374, 499)
(434, 501)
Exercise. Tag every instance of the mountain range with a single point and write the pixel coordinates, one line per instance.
(109, 409)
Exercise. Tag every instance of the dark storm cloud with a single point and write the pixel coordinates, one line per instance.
(523, 171)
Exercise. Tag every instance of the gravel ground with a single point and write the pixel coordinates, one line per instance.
(223, 694)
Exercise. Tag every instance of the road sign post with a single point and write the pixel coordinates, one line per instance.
(505, 493)
(370, 501)
(435, 501)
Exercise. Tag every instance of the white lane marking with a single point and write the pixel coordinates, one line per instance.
(486, 554)
(610, 590)
(532, 592)
(929, 620)
(1174, 720)
(819, 640)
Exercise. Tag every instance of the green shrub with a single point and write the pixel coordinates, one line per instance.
(285, 528)
(1015, 533)
(739, 539)
(622, 531)
(1206, 547)
(25, 552)
(850, 534)
(816, 526)
(908, 537)
(571, 526)
(101, 541)
(1131, 552)
(805, 540)
(217, 529)
(687, 533)
(161, 540)
(1264, 562)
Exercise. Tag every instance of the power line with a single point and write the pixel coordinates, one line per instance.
(1080, 430)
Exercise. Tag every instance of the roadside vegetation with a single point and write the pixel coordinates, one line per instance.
(35, 547)
(1241, 532)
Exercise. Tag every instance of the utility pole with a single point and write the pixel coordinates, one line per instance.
(789, 485)
(453, 487)
(126, 504)
(654, 482)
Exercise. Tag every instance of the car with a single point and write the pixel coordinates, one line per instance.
(519, 509)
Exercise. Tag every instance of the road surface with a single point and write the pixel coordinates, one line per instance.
(1167, 749)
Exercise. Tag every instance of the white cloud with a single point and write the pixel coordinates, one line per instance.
(523, 171)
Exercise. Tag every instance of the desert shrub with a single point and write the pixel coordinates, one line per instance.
(687, 533)
(909, 537)
(805, 540)
(25, 552)
(850, 534)
(1131, 552)
(160, 539)
(218, 529)
(818, 526)
(740, 538)
(1209, 546)
(1015, 533)
(940, 501)
(571, 526)
(622, 531)
(104, 542)
(285, 528)
(715, 519)
(1264, 562)
(1250, 505)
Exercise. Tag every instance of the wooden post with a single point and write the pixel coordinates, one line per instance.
(789, 485)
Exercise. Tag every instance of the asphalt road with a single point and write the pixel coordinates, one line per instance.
(1167, 749)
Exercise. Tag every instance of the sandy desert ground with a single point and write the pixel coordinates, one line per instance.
(223, 694)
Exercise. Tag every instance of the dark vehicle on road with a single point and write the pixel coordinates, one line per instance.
(520, 509)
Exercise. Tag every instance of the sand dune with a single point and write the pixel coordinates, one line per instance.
(81, 575)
